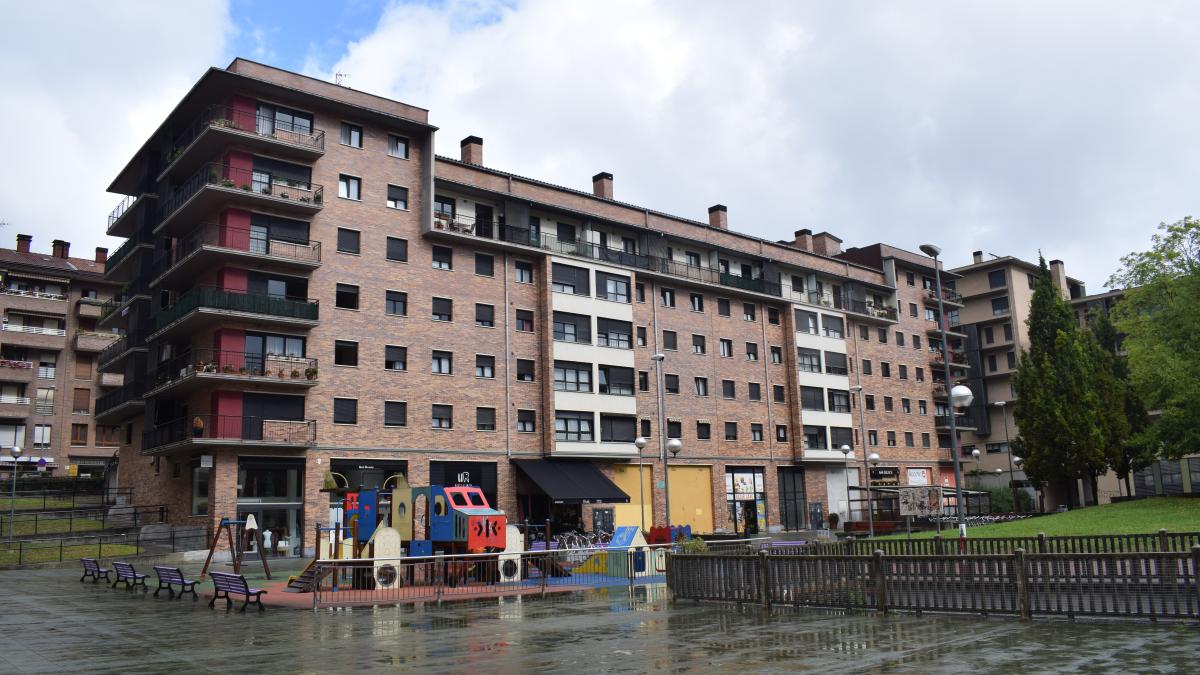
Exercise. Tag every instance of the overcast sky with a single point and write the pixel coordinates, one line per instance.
(1007, 127)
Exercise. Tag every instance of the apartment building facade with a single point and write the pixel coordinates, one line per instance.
(458, 324)
(49, 344)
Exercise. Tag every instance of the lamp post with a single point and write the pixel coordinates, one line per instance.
(15, 451)
(674, 445)
(1012, 482)
(662, 433)
(964, 394)
(846, 470)
(640, 444)
(1017, 461)
(862, 421)
(873, 458)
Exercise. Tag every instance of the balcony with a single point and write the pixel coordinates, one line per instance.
(205, 306)
(93, 341)
(215, 186)
(88, 308)
(949, 297)
(34, 301)
(225, 368)
(17, 371)
(220, 126)
(953, 330)
(962, 422)
(113, 356)
(940, 391)
(210, 245)
(14, 406)
(207, 430)
(865, 308)
(117, 406)
(33, 336)
(957, 360)
(120, 264)
(111, 380)
(124, 221)
(115, 309)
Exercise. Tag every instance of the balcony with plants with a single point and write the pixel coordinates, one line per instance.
(214, 186)
(208, 430)
(949, 297)
(227, 369)
(212, 244)
(220, 126)
(205, 306)
(93, 341)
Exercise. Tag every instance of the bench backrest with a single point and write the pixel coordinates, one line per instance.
(224, 581)
(123, 568)
(169, 574)
(90, 564)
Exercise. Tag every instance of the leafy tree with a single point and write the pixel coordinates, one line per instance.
(1160, 318)
(1126, 450)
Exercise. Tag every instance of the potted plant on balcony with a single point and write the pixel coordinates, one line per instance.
(304, 200)
(283, 195)
(295, 374)
(246, 187)
(310, 373)
(213, 175)
(225, 182)
(228, 369)
(281, 374)
(266, 189)
(243, 370)
(317, 198)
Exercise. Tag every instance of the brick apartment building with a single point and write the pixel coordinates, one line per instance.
(50, 386)
(311, 293)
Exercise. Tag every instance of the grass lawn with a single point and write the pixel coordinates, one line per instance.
(38, 552)
(1176, 514)
(26, 525)
(39, 503)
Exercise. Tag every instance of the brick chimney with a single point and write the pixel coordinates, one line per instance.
(803, 240)
(602, 185)
(718, 216)
(101, 255)
(60, 248)
(826, 244)
(977, 257)
(1058, 276)
(472, 150)
(24, 241)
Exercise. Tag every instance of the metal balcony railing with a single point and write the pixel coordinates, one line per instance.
(121, 208)
(32, 294)
(130, 392)
(129, 292)
(15, 364)
(126, 342)
(210, 427)
(123, 251)
(36, 330)
(240, 239)
(15, 400)
(245, 121)
(231, 363)
(960, 421)
(947, 295)
(216, 298)
(248, 180)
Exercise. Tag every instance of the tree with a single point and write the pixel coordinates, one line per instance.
(1126, 450)
(1160, 319)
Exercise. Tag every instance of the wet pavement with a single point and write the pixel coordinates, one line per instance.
(54, 624)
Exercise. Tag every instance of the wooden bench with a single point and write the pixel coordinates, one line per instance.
(225, 584)
(169, 577)
(127, 575)
(92, 568)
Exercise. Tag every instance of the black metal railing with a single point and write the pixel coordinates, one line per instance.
(244, 121)
(121, 208)
(143, 542)
(960, 421)
(238, 239)
(62, 500)
(210, 427)
(124, 394)
(29, 524)
(139, 238)
(947, 295)
(127, 342)
(127, 293)
(237, 364)
(868, 308)
(216, 298)
(247, 180)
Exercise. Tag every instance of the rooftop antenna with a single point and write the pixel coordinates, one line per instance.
(340, 79)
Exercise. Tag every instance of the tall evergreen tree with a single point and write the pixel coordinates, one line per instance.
(1126, 417)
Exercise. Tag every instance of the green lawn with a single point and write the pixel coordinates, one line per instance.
(1176, 514)
(26, 525)
(39, 503)
(39, 552)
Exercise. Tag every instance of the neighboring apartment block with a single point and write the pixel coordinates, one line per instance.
(50, 387)
(310, 291)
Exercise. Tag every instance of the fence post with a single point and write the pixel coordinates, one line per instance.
(629, 561)
(1041, 542)
(764, 581)
(1196, 575)
(545, 566)
(439, 570)
(1162, 541)
(937, 544)
(1023, 608)
(880, 582)
(60, 549)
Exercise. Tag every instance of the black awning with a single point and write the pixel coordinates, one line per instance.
(571, 482)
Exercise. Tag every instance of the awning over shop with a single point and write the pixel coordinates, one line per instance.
(571, 482)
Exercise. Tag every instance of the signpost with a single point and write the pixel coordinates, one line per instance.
(923, 501)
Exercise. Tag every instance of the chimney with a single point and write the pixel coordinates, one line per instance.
(602, 185)
(472, 150)
(24, 241)
(1058, 277)
(101, 255)
(977, 257)
(803, 239)
(718, 216)
(826, 244)
(60, 248)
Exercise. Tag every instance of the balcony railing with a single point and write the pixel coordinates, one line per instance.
(32, 294)
(237, 364)
(960, 421)
(129, 392)
(956, 359)
(239, 239)
(947, 295)
(127, 341)
(868, 308)
(129, 292)
(15, 364)
(35, 330)
(123, 251)
(245, 121)
(43, 408)
(206, 427)
(247, 180)
(939, 390)
(216, 298)
(47, 372)
(122, 207)
(15, 400)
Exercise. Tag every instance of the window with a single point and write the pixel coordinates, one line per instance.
(912, 309)
(109, 436)
(797, 283)
(396, 303)
(722, 307)
(835, 363)
(989, 335)
(777, 392)
(485, 366)
(1008, 333)
(996, 279)
(903, 372)
(910, 278)
(925, 440)
(348, 240)
(669, 341)
(728, 389)
(485, 265)
(485, 419)
(833, 326)
(703, 431)
(614, 333)
(612, 287)
(640, 291)
(617, 428)
(726, 348)
(523, 272)
(443, 309)
(643, 381)
(199, 491)
(442, 363)
(674, 429)
(526, 421)
(993, 448)
(443, 416)
(808, 360)
(397, 249)
(668, 297)
(397, 146)
(641, 336)
(839, 401)
(79, 434)
(349, 187)
(883, 336)
(806, 322)
(731, 431)
(645, 430)
(812, 398)
(891, 439)
(920, 374)
(395, 414)
(525, 370)
(872, 437)
(815, 438)
(870, 401)
(443, 258)
(697, 301)
(81, 403)
(1011, 358)
(345, 353)
(922, 407)
(345, 411)
(699, 344)
(930, 314)
(83, 367)
(751, 351)
(701, 386)
(485, 315)
(572, 426)
(909, 442)
(352, 135)
(568, 279)
(346, 296)
(864, 333)
(572, 376)
(866, 367)
(616, 381)
(748, 312)
(773, 316)
(888, 405)
(839, 436)
(916, 342)
(395, 357)
(693, 259)
(756, 432)
(906, 406)
(397, 197)
(1000, 306)
(776, 354)
(525, 322)
(754, 391)
(671, 383)
(992, 365)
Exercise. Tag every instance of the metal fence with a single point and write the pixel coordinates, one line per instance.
(1137, 585)
(43, 500)
(1161, 541)
(80, 520)
(33, 551)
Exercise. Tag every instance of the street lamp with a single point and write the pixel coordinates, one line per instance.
(640, 444)
(862, 421)
(15, 451)
(1017, 461)
(933, 252)
(846, 471)
(1012, 483)
(662, 435)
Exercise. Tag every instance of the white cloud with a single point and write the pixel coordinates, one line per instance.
(85, 85)
(996, 126)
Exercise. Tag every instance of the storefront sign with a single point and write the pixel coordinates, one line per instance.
(885, 475)
(918, 476)
(206, 461)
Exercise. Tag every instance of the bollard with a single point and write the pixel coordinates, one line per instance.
(1023, 608)
(880, 582)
